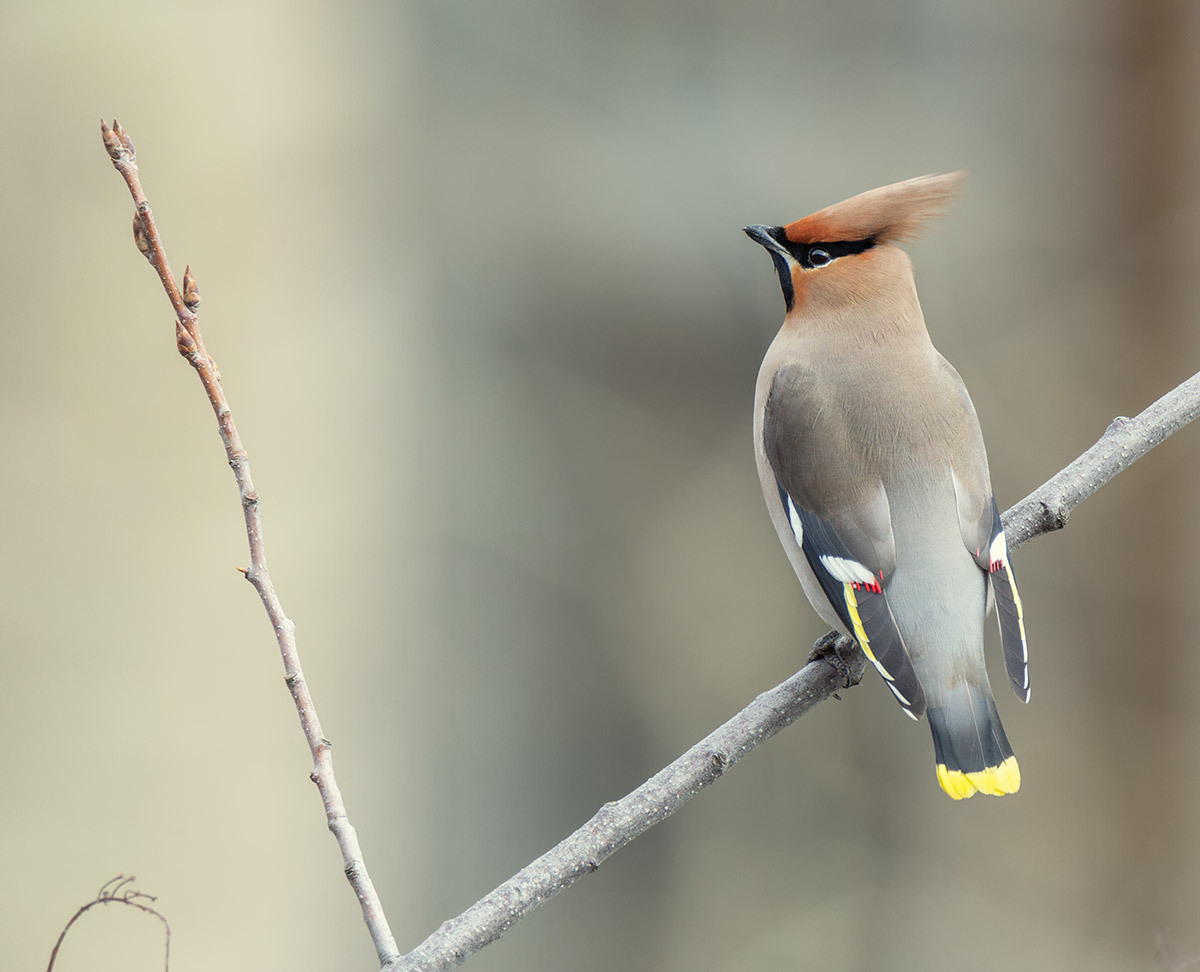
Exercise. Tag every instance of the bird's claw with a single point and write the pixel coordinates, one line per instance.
(843, 654)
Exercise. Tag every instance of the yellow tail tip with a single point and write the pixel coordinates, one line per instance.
(994, 780)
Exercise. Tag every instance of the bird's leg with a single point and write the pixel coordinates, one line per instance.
(843, 653)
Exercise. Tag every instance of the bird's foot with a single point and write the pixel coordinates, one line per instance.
(843, 654)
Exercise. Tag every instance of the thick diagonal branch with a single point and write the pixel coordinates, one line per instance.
(191, 346)
(618, 823)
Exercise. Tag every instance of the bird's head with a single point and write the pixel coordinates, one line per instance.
(843, 253)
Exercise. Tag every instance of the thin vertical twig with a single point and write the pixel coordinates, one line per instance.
(185, 302)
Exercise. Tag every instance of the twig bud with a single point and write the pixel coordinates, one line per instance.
(191, 296)
(184, 341)
(112, 144)
(126, 141)
(140, 239)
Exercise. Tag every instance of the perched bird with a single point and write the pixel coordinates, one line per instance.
(873, 468)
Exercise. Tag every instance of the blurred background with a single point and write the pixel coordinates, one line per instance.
(475, 277)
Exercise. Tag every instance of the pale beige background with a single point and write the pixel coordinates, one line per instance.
(475, 277)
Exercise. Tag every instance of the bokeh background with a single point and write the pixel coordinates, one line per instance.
(475, 276)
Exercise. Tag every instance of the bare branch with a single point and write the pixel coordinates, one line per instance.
(1126, 441)
(191, 345)
(618, 823)
(120, 891)
(833, 665)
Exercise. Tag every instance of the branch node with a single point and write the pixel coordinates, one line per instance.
(1054, 517)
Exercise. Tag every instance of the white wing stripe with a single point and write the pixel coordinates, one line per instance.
(899, 695)
(998, 551)
(847, 571)
(794, 519)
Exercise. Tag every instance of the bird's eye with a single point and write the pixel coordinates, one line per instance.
(818, 257)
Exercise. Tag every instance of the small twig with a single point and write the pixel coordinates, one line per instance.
(191, 346)
(117, 890)
(619, 823)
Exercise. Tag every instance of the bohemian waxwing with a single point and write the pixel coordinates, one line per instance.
(875, 476)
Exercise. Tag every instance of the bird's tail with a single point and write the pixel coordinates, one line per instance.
(972, 751)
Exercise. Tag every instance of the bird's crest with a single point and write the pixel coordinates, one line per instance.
(884, 215)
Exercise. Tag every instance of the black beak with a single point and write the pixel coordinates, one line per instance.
(769, 237)
(763, 236)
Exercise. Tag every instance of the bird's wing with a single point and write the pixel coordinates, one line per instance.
(839, 515)
(983, 533)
